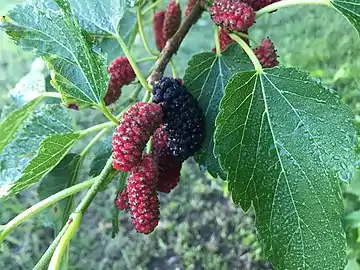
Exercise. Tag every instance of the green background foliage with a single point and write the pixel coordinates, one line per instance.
(200, 228)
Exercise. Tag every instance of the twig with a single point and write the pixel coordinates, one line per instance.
(173, 44)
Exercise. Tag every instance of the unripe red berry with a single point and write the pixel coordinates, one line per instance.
(232, 14)
(121, 73)
(266, 54)
(133, 132)
(142, 196)
(122, 201)
(158, 25)
(172, 20)
(169, 166)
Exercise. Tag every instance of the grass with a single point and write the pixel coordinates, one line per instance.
(200, 227)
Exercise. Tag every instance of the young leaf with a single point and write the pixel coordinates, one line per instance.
(206, 78)
(285, 140)
(78, 71)
(100, 16)
(50, 119)
(350, 9)
(52, 150)
(10, 125)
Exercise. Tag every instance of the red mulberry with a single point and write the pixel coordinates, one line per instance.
(122, 201)
(121, 73)
(133, 132)
(266, 54)
(232, 14)
(169, 166)
(259, 4)
(158, 25)
(172, 20)
(143, 200)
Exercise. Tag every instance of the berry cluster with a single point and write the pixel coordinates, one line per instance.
(166, 23)
(183, 118)
(121, 73)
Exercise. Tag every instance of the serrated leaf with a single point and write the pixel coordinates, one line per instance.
(55, 35)
(10, 125)
(112, 48)
(206, 78)
(56, 180)
(284, 140)
(52, 150)
(50, 119)
(350, 9)
(100, 16)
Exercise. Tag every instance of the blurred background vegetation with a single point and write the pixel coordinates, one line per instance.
(200, 227)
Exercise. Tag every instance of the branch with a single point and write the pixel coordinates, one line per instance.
(173, 44)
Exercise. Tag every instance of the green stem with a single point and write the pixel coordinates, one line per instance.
(288, 3)
(74, 223)
(146, 59)
(133, 64)
(217, 40)
(173, 69)
(249, 52)
(107, 113)
(51, 94)
(240, 34)
(132, 36)
(41, 264)
(36, 208)
(146, 97)
(142, 34)
(97, 128)
(151, 7)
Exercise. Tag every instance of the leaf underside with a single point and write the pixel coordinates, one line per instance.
(206, 78)
(284, 140)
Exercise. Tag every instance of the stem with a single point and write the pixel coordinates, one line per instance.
(173, 44)
(36, 208)
(132, 63)
(146, 59)
(217, 40)
(288, 3)
(240, 34)
(142, 34)
(51, 94)
(132, 36)
(48, 253)
(96, 128)
(249, 52)
(173, 69)
(107, 113)
(151, 7)
(90, 195)
(74, 223)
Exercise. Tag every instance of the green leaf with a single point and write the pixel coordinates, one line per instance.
(350, 9)
(126, 27)
(102, 153)
(285, 140)
(100, 16)
(52, 150)
(50, 119)
(206, 78)
(78, 71)
(10, 125)
(55, 181)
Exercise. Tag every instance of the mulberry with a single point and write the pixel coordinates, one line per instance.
(266, 54)
(158, 25)
(143, 200)
(133, 132)
(169, 166)
(172, 20)
(122, 201)
(232, 14)
(183, 119)
(121, 73)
